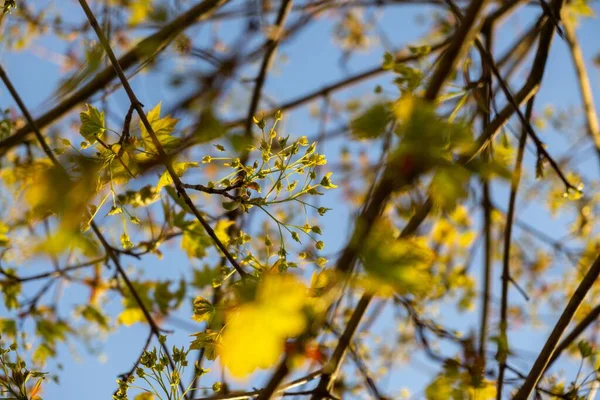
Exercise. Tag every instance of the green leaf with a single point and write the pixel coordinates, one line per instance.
(195, 240)
(180, 168)
(175, 196)
(204, 310)
(448, 186)
(388, 61)
(439, 389)
(8, 327)
(42, 353)
(8, 5)
(166, 299)
(205, 277)
(585, 349)
(162, 127)
(326, 181)
(93, 314)
(92, 123)
(371, 124)
(144, 396)
(207, 341)
(402, 263)
(231, 205)
(126, 242)
(114, 210)
(93, 60)
(209, 128)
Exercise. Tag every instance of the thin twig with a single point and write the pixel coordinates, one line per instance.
(585, 87)
(561, 325)
(284, 11)
(161, 152)
(56, 273)
(148, 48)
(109, 250)
(332, 368)
(125, 376)
(512, 100)
(506, 277)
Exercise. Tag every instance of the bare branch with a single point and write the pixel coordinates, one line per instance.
(144, 50)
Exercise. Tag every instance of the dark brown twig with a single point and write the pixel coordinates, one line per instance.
(148, 48)
(506, 277)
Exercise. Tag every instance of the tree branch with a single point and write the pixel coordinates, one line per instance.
(164, 158)
(502, 353)
(109, 250)
(148, 48)
(551, 344)
(587, 98)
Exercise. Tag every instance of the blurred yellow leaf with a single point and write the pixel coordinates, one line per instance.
(140, 9)
(255, 334)
(397, 262)
(130, 316)
(144, 396)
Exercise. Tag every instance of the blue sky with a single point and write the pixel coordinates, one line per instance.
(308, 61)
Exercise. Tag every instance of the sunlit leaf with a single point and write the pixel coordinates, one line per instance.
(162, 127)
(180, 168)
(92, 123)
(195, 241)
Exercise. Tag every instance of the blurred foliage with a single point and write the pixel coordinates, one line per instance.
(76, 234)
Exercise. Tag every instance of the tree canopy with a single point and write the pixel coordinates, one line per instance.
(320, 199)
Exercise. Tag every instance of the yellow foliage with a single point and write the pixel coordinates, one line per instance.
(140, 10)
(130, 316)
(403, 107)
(443, 232)
(486, 392)
(162, 127)
(221, 229)
(397, 262)
(144, 396)
(255, 334)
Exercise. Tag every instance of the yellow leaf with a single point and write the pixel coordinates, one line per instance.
(460, 216)
(443, 232)
(486, 392)
(144, 396)
(162, 127)
(130, 316)
(403, 107)
(255, 334)
(399, 262)
(465, 239)
(221, 229)
(203, 309)
(180, 168)
(140, 10)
